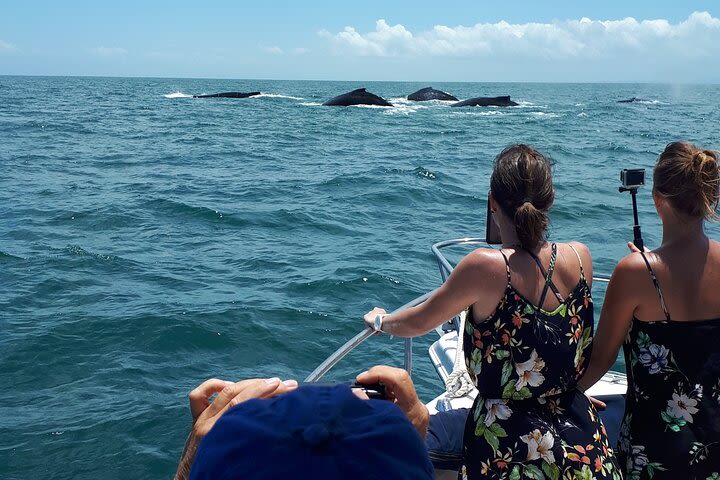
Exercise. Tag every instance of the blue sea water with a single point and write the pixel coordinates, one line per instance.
(149, 240)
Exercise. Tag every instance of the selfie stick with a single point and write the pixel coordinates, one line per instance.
(637, 240)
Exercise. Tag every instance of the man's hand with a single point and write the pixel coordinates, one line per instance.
(229, 394)
(401, 391)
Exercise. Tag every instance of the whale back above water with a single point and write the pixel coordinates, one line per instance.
(632, 100)
(429, 93)
(228, 95)
(357, 97)
(503, 101)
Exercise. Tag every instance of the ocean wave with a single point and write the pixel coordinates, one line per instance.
(403, 109)
(545, 114)
(383, 107)
(650, 102)
(419, 172)
(177, 95)
(311, 104)
(278, 95)
(9, 256)
(484, 113)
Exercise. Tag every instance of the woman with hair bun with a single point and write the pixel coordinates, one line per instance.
(527, 337)
(663, 307)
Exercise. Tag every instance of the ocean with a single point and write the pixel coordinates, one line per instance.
(149, 241)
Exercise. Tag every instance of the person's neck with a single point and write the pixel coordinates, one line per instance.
(678, 232)
(509, 237)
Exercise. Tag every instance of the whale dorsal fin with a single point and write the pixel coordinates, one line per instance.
(358, 90)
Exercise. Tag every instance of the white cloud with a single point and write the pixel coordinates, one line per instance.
(698, 36)
(108, 51)
(274, 50)
(300, 51)
(7, 47)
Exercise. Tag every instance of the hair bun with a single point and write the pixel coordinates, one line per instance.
(705, 161)
(689, 177)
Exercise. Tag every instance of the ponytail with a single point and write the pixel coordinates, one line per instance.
(530, 225)
(521, 183)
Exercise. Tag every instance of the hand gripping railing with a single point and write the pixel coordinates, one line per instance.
(366, 333)
(445, 270)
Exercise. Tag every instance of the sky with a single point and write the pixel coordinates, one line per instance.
(453, 40)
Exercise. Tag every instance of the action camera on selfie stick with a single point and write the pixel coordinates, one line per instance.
(632, 180)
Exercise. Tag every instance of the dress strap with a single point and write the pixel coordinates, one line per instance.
(582, 272)
(548, 275)
(507, 266)
(657, 287)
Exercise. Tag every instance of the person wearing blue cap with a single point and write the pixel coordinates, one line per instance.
(265, 429)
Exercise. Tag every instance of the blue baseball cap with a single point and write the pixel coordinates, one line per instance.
(316, 431)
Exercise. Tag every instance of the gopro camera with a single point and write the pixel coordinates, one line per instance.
(632, 178)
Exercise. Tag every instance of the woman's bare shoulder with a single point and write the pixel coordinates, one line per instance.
(484, 261)
(630, 267)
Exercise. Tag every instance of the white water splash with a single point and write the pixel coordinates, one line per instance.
(177, 95)
(649, 102)
(545, 114)
(311, 104)
(403, 109)
(370, 106)
(277, 95)
(483, 113)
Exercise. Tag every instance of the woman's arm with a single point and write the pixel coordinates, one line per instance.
(615, 318)
(478, 276)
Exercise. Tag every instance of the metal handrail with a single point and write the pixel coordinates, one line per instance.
(445, 269)
(366, 333)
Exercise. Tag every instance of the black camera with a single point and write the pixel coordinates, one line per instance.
(632, 178)
(375, 391)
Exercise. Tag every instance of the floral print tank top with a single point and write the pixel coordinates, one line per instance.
(671, 427)
(529, 420)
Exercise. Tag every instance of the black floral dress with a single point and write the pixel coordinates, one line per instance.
(671, 427)
(529, 420)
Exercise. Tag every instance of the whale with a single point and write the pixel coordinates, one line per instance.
(429, 93)
(228, 95)
(359, 96)
(486, 102)
(632, 100)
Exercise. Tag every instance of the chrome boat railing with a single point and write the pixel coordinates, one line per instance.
(445, 269)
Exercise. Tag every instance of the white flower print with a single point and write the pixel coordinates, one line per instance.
(654, 358)
(529, 372)
(496, 409)
(539, 445)
(681, 406)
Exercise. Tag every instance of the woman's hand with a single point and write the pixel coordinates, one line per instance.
(633, 248)
(400, 390)
(205, 414)
(369, 317)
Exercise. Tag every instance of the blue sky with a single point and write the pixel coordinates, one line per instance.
(369, 40)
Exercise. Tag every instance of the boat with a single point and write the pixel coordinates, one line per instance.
(449, 409)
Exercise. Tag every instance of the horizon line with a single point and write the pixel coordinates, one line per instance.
(580, 82)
